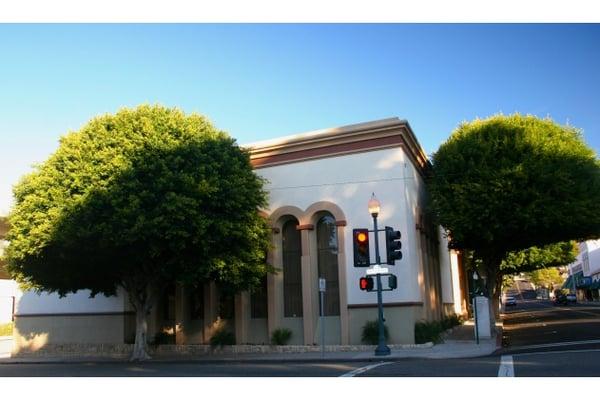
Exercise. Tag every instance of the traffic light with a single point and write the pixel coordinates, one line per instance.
(392, 282)
(392, 245)
(366, 283)
(360, 238)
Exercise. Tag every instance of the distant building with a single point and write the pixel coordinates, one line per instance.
(8, 288)
(319, 184)
(584, 272)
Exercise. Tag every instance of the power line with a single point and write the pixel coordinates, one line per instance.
(338, 183)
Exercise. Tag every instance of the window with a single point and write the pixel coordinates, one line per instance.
(258, 300)
(226, 306)
(168, 303)
(292, 271)
(327, 249)
(197, 303)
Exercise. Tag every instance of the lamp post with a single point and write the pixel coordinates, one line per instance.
(382, 349)
(475, 277)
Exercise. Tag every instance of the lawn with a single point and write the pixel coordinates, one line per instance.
(6, 329)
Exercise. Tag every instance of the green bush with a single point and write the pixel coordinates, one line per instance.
(222, 338)
(163, 338)
(6, 329)
(451, 321)
(281, 336)
(370, 332)
(428, 332)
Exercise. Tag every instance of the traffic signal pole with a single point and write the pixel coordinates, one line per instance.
(382, 349)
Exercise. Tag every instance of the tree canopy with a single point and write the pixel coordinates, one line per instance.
(509, 183)
(136, 199)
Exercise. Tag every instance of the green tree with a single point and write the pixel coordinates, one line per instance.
(136, 200)
(510, 183)
(546, 277)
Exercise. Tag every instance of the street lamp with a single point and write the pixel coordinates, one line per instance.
(382, 349)
(475, 278)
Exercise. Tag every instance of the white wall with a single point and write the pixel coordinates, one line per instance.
(80, 302)
(348, 181)
(593, 248)
(8, 289)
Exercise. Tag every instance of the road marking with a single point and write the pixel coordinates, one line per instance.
(506, 367)
(364, 369)
(537, 353)
(558, 344)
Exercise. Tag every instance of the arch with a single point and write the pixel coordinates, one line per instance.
(282, 211)
(311, 216)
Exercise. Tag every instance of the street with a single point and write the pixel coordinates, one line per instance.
(539, 339)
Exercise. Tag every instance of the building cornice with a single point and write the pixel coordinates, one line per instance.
(332, 142)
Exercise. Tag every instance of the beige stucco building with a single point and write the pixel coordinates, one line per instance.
(319, 184)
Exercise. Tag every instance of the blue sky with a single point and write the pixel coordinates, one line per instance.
(264, 81)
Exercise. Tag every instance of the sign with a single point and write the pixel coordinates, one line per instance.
(377, 270)
(322, 284)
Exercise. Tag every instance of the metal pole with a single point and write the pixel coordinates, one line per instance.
(475, 317)
(382, 349)
(322, 324)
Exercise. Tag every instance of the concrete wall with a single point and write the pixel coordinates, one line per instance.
(33, 333)
(400, 321)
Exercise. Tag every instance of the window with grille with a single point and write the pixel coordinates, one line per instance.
(292, 270)
(327, 249)
(258, 300)
(197, 303)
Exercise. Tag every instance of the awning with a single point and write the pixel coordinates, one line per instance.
(568, 283)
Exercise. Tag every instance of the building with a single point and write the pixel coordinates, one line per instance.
(8, 287)
(319, 185)
(584, 272)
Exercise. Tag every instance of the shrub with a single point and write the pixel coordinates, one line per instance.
(163, 338)
(428, 332)
(451, 321)
(370, 332)
(222, 338)
(281, 336)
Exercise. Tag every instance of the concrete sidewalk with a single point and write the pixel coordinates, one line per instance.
(459, 343)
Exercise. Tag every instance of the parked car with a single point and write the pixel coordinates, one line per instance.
(571, 298)
(561, 300)
(510, 301)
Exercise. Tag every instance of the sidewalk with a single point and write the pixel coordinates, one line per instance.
(460, 343)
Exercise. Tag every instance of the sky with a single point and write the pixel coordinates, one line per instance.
(263, 81)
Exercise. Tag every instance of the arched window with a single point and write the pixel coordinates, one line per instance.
(327, 248)
(292, 271)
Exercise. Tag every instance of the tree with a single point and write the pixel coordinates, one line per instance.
(509, 183)
(139, 199)
(546, 277)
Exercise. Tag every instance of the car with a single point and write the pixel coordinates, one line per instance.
(571, 298)
(510, 301)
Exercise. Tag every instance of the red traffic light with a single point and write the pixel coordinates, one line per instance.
(366, 283)
(360, 241)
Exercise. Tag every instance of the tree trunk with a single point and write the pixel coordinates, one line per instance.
(491, 264)
(141, 300)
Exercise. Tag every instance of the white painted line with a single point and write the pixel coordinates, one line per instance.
(558, 344)
(555, 352)
(506, 367)
(364, 369)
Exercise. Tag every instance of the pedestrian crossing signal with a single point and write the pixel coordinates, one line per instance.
(366, 283)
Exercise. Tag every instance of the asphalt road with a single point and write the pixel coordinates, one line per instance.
(178, 369)
(540, 340)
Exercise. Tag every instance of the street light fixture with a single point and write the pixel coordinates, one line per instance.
(382, 349)
(475, 278)
(374, 206)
